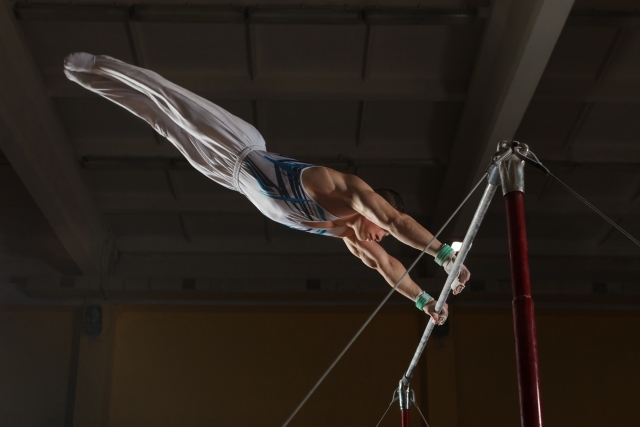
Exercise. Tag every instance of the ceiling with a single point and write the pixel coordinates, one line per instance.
(408, 95)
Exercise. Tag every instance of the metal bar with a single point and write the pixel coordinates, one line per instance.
(462, 254)
(512, 175)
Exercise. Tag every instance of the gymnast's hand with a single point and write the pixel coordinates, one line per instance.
(430, 309)
(463, 277)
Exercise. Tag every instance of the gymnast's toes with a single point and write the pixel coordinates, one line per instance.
(79, 61)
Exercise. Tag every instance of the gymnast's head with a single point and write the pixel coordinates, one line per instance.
(368, 230)
(392, 197)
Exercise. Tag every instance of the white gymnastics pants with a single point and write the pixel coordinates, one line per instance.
(213, 140)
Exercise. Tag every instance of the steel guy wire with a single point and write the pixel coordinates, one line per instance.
(386, 298)
(536, 163)
(418, 408)
(393, 399)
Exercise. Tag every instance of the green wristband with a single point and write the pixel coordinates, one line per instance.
(443, 254)
(422, 300)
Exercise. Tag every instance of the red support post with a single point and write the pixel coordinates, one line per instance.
(523, 314)
(406, 419)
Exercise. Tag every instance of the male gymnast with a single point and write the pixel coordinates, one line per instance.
(232, 153)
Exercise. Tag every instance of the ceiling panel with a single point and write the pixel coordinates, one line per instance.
(409, 129)
(576, 227)
(597, 185)
(238, 107)
(129, 181)
(189, 182)
(304, 128)
(580, 53)
(631, 224)
(192, 48)
(611, 132)
(423, 51)
(607, 5)
(145, 224)
(226, 225)
(549, 142)
(94, 117)
(50, 42)
(301, 50)
(625, 63)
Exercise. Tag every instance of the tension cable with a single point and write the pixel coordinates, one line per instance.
(533, 160)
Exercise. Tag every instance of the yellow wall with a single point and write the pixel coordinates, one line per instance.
(589, 365)
(168, 366)
(252, 367)
(35, 357)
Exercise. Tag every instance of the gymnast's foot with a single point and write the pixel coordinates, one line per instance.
(79, 61)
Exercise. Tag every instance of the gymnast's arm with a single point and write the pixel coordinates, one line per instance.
(361, 198)
(374, 256)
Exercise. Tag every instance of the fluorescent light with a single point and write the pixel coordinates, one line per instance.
(456, 246)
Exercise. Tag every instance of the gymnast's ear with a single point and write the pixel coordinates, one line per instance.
(392, 197)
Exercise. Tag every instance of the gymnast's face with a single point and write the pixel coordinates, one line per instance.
(369, 231)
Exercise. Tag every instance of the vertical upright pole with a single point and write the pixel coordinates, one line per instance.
(404, 396)
(406, 420)
(512, 175)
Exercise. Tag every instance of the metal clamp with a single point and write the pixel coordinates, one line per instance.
(404, 395)
(511, 165)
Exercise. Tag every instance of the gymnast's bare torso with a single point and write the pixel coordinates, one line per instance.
(232, 152)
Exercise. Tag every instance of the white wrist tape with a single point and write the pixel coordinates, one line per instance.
(448, 267)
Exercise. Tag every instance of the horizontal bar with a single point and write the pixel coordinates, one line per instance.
(472, 231)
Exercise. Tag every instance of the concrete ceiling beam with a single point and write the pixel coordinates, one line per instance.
(34, 141)
(518, 41)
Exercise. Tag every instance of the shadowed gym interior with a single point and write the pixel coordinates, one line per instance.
(211, 314)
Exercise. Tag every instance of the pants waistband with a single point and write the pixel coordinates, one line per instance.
(238, 165)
